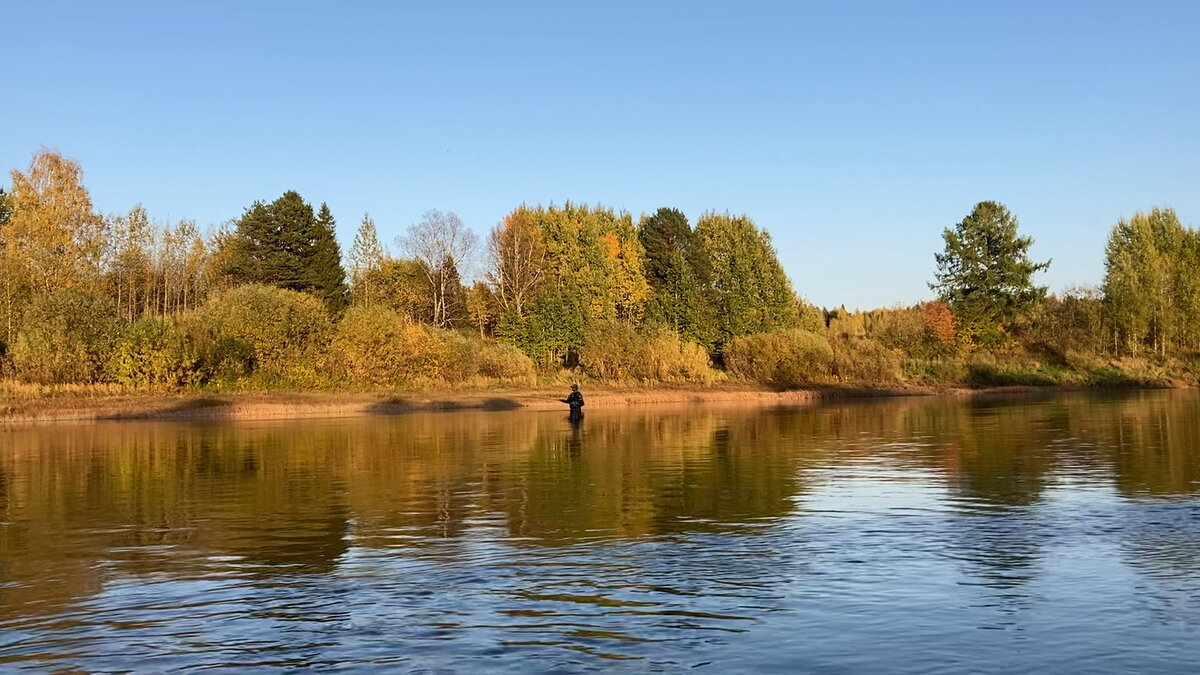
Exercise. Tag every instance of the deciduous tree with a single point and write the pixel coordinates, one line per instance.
(750, 291)
(441, 244)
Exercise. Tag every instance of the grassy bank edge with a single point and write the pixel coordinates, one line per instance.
(103, 404)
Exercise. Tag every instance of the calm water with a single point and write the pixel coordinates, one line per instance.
(1054, 535)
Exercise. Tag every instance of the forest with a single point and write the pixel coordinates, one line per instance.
(563, 292)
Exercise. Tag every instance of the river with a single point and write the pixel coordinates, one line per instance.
(912, 535)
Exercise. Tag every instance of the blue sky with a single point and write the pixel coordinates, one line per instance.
(853, 131)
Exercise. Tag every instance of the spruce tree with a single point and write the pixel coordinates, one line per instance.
(326, 278)
(284, 244)
(677, 272)
(985, 274)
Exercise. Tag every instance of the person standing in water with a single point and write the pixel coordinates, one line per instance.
(575, 400)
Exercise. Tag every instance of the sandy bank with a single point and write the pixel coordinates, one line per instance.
(258, 406)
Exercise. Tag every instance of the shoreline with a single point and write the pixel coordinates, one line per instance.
(250, 406)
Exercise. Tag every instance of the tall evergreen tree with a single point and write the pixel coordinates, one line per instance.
(985, 274)
(325, 275)
(285, 244)
(677, 272)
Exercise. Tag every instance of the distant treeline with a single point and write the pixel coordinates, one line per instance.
(267, 301)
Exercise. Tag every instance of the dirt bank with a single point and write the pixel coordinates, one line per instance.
(107, 405)
(82, 404)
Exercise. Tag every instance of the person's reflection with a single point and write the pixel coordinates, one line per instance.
(575, 440)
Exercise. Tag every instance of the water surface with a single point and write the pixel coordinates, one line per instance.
(912, 535)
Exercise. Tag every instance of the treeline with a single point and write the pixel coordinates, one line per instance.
(267, 301)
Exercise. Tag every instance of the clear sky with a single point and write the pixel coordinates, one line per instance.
(853, 131)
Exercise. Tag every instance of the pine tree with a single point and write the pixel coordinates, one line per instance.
(985, 274)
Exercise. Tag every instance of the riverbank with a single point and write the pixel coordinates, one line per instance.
(108, 403)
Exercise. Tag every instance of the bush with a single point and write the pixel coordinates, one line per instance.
(285, 330)
(379, 347)
(65, 337)
(154, 353)
(782, 358)
(502, 361)
(613, 350)
(865, 362)
(670, 358)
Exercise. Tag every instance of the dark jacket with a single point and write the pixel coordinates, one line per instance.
(575, 400)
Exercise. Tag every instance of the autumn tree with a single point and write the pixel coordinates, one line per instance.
(985, 274)
(441, 244)
(52, 238)
(517, 256)
(366, 261)
(591, 271)
(482, 306)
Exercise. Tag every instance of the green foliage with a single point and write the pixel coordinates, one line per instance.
(785, 358)
(286, 330)
(1151, 284)
(155, 353)
(678, 274)
(285, 244)
(323, 272)
(399, 284)
(64, 337)
(750, 292)
(1072, 321)
(985, 275)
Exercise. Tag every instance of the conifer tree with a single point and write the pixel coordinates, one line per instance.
(677, 272)
(284, 244)
(326, 278)
(985, 274)
(366, 260)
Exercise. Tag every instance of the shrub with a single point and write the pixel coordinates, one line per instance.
(65, 337)
(781, 358)
(154, 353)
(668, 357)
(377, 346)
(285, 330)
(612, 350)
(864, 361)
(504, 362)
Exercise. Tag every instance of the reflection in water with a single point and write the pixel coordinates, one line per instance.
(861, 536)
